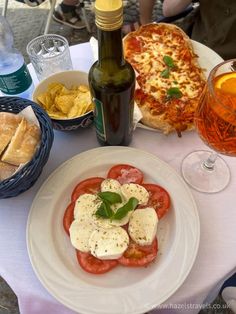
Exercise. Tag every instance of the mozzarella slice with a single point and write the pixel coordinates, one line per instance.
(129, 190)
(122, 221)
(80, 233)
(110, 185)
(108, 243)
(100, 222)
(85, 207)
(143, 226)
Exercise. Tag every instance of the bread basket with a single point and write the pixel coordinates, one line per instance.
(27, 176)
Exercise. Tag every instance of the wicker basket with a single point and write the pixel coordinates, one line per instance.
(28, 175)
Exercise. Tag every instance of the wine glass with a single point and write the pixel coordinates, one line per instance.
(215, 121)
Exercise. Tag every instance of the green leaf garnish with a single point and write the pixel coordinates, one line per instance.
(123, 211)
(104, 210)
(110, 197)
(169, 61)
(165, 73)
(173, 92)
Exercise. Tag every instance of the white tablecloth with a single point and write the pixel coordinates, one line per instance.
(216, 258)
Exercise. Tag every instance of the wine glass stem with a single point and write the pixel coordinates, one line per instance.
(210, 162)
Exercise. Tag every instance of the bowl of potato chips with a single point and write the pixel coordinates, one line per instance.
(65, 96)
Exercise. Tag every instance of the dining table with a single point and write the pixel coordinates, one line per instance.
(216, 256)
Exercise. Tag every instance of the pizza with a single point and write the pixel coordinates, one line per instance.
(169, 78)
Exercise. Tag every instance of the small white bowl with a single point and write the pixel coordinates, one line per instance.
(69, 79)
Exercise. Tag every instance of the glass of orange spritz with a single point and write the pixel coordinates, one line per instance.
(215, 121)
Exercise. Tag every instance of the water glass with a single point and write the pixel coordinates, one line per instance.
(49, 54)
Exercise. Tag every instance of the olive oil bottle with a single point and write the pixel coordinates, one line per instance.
(111, 78)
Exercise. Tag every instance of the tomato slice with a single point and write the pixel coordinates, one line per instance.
(68, 217)
(137, 255)
(90, 185)
(125, 174)
(94, 265)
(159, 199)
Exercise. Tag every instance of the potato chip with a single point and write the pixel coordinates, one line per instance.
(57, 115)
(61, 102)
(64, 102)
(49, 101)
(55, 89)
(42, 99)
(83, 88)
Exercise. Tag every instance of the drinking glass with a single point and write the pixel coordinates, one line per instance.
(49, 54)
(215, 121)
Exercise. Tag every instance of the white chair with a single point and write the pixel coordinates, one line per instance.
(49, 18)
(4, 11)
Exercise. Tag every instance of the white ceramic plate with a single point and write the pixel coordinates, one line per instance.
(207, 59)
(123, 290)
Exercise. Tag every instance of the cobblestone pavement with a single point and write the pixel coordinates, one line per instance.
(27, 23)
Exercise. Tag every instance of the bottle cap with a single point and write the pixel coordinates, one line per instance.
(109, 14)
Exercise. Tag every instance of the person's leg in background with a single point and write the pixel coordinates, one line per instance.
(146, 10)
(145, 16)
(67, 13)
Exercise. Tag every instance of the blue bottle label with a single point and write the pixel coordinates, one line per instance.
(16, 82)
(99, 120)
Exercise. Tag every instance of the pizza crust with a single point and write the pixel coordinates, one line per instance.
(159, 122)
(155, 121)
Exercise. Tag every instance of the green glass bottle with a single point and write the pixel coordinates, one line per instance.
(111, 78)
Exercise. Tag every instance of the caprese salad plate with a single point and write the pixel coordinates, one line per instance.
(113, 249)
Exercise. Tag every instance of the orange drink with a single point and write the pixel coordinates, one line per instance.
(216, 115)
(215, 120)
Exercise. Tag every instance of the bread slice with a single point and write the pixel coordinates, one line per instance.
(8, 125)
(6, 170)
(23, 144)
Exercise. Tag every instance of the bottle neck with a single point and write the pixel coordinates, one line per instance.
(110, 47)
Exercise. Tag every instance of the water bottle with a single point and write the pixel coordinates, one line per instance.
(15, 79)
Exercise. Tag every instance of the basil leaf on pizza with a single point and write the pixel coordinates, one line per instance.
(165, 73)
(173, 92)
(169, 61)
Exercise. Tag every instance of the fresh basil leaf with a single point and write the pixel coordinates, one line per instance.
(173, 92)
(169, 61)
(123, 211)
(104, 210)
(110, 197)
(165, 73)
